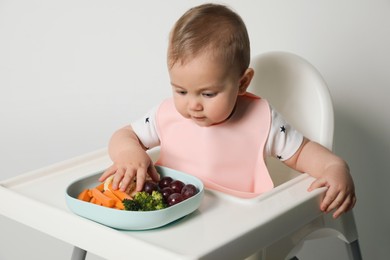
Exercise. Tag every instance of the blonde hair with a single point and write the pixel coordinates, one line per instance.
(210, 27)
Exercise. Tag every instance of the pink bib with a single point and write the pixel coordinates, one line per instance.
(227, 157)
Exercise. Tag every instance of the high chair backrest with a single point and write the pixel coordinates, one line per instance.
(297, 90)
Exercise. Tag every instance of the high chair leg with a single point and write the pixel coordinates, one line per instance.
(78, 253)
(354, 249)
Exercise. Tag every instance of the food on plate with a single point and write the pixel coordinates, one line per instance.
(150, 186)
(174, 198)
(102, 199)
(118, 202)
(144, 201)
(166, 192)
(85, 195)
(154, 196)
(104, 195)
(164, 182)
(177, 186)
(100, 187)
(188, 191)
(128, 193)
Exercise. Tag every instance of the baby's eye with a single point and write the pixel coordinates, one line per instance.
(181, 92)
(209, 95)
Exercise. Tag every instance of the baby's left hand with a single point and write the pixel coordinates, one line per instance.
(341, 191)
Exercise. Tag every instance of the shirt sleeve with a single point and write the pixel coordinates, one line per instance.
(283, 140)
(145, 129)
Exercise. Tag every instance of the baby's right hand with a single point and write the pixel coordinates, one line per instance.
(125, 171)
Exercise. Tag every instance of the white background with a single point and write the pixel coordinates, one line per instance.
(72, 72)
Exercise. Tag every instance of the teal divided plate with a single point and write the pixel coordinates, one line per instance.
(133, 220)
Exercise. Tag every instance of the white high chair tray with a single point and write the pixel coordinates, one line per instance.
(222, 227)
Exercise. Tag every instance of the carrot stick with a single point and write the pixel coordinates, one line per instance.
(119, 205)
(108, 198)
(100, 187)
(118, 202)
(120, 194)
(103, 199)
(85, 195)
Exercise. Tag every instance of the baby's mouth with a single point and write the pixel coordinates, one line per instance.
(198, 117)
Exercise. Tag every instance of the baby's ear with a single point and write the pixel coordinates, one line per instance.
(245, 81)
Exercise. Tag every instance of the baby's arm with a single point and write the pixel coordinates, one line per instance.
(330, 171)
(130, 160)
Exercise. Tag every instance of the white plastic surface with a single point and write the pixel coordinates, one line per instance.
(297, 90)
(222, 227)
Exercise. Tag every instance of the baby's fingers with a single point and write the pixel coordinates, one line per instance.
(318, 183)
(347, 205)
(332, 201)
(119, 174)
(128, 177)
(110, 171)
(153, 173)
(141, 176)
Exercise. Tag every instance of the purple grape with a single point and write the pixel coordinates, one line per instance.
(188, 191)
(174, 198)
(166, 192)
(150, 186)
(164, 182)
(177, 186)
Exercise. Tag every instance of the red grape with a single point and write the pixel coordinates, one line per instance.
(174, 199)
(150, 186)
(164, 182)
(188, 191)
(177, 186)
(166, 192)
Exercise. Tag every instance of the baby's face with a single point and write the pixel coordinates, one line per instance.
(204, 90)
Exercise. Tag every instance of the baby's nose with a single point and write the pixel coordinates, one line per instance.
(195, 105)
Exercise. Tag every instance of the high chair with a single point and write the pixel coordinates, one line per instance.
(297, 90)
(271, 226)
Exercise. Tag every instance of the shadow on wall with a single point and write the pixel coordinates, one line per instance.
(368, 158)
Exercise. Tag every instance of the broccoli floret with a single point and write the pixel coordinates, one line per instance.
(157, 196)
(131, 205)
(145, 202)
(158, 200)
(142, 197)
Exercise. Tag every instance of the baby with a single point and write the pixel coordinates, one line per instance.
(213, 128)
